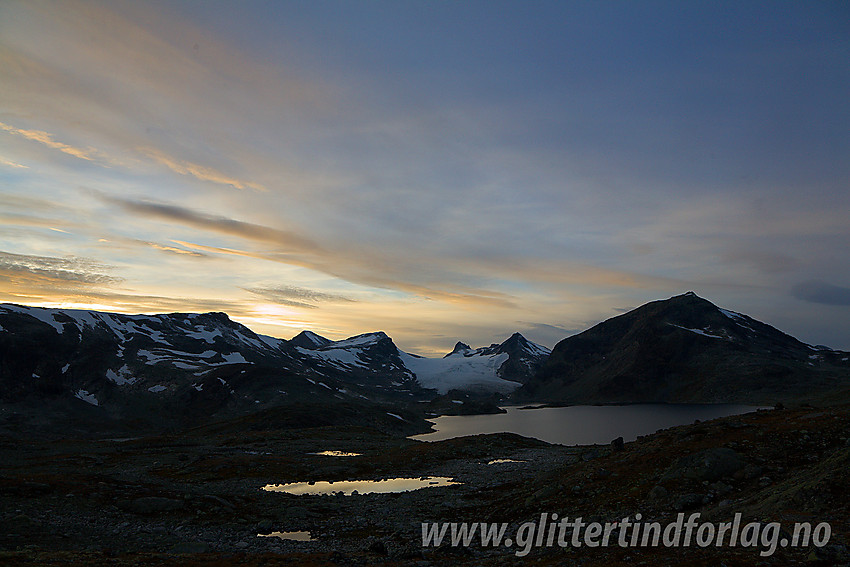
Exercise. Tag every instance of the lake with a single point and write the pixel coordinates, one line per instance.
(350, 487)
(581, 425)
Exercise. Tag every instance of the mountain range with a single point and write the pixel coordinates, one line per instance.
(185, 367)
(195, 365)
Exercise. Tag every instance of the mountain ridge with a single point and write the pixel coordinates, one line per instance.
(198, 364)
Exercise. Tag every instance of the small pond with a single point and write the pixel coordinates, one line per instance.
(349, 487)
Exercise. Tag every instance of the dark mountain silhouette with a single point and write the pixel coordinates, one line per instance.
(685, 349)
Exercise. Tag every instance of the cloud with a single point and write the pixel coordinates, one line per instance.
(45, 271)
(31, 221)
(125, 78)
(10, 163)
(301, 251)
(815, 291)
(115, 241)
(361, 274)
(427, 274)
(122, 302)
(174, 250)
(296, 296)
(227, 251)
(198, 171)
(224, 225)
(47, 139)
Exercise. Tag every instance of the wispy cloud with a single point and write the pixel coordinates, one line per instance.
(46, 271)
(215, 223)
(135, 88)
(175, 250)
(46, 139)
(198, 171)
(38, 222)
(10, 163)
(122, 302)
(296, 296)
(438, 278)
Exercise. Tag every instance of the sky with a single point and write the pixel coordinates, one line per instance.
(440, 171)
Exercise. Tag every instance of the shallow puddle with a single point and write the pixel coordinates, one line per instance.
(336, 454)
(349, 487)
(290, 536)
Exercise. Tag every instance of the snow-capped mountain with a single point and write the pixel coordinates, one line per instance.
(370, 359)
(177, 366)
(497, 368)
(200, 364)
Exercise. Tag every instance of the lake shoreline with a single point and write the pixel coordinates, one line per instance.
(580, 424)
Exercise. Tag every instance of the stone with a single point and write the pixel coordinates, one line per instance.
(618, 444)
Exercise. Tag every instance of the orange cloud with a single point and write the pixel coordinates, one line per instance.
(174, 250)
(9, 163)
(47, 139)
(28, 272)
(198, 171)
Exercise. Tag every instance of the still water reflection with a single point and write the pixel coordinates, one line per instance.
(290, 536)
(349, 487)
(581, 425)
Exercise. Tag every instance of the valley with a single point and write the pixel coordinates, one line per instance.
(156, 439)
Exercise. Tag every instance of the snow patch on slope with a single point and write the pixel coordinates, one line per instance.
(122, 377)
(703, 332)
(339, 357)
(86, 397)
(204, 334)
(43, 315)
(738, 318)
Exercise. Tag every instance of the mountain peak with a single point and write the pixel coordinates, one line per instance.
(363, 340)
(459, 347)
(309, 340)
(687, 296)
(684, 304)
(517, 344)
(516, 337)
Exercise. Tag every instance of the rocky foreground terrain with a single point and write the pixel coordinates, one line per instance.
(195, 497)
